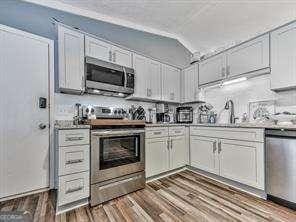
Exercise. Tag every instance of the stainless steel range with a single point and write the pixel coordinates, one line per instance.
(117, 162)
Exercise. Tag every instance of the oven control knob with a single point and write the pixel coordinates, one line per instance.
(115, 112)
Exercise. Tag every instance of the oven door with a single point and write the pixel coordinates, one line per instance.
(116, 153)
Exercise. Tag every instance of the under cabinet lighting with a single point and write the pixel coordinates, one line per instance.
(234, 81)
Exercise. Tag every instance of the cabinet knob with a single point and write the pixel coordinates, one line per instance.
(42, 126)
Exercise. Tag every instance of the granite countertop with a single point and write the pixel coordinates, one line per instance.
(238, 125)
(68, 124)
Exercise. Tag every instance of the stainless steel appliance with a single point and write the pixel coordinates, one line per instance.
(117, 162)
(101, 112)
(281, 166)
(108, 78)
(184, 114)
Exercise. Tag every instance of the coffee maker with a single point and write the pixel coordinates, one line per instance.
(162, 115)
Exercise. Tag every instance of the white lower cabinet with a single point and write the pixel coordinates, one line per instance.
(157, 156)
(164, 151)
(72, 168)
(178, 154)
(203, 154)
(242, 161)
(238, 160)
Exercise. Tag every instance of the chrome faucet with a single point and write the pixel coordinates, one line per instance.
(229, 105)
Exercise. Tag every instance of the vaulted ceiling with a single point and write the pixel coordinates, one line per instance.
(200, 25)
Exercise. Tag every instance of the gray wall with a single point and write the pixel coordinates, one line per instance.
(37, 19)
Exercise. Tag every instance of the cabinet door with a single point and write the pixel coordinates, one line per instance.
(121, 57)
(283, 57)
(171, 84)
(71, 59)
(242, 161)
(212, 69)
(156, 156)
(154, 73)
(98, 49)
(141, 76)
(248, 57)
(178, 152)
(190, 83)
(204, 154)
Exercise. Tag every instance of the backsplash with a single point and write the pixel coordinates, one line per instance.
(251, 90)
(64, 103)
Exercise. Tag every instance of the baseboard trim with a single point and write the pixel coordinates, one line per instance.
(241, 187)
(24, 194)
(165, 174)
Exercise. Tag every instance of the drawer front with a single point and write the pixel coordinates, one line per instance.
(73, 137)
(73, 159)
(73, 187)
(156, 132)
(246, 134)
(177, 131)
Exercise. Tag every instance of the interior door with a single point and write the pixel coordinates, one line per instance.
(203, 154)
(24, 146)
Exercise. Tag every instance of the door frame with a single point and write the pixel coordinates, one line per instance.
(50, 100)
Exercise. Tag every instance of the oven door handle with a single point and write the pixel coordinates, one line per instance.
(120, 133)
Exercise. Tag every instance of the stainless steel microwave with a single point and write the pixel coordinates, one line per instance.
(108, 78)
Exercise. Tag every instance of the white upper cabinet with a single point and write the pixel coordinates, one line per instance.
(141, 77)
(154, 79)
(121, 56)
(71, 60)
(283, 57)
(171, 84)
(148, 78)
(107, 52)
(190, 84)
(248, 57)
(98, 49)
(212, 69)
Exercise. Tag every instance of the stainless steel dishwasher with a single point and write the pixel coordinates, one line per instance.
(281, 166)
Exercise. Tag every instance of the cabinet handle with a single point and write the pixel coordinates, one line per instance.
(171, 144)
(114, 57)
(82, 82)
(110, 55)
(172, 96)
(219, 147)
(156, 133)
(223, 72)
(74, 138)
(74, 161)
(227, 70)
(178, 131)
(168, 144)
(74, 190)
(148, 92)
(214, 146)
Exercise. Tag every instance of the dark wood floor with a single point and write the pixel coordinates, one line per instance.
(185, 196)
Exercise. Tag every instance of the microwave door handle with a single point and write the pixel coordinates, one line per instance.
(125, 77)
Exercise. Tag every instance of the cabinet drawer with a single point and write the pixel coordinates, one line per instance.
(176, 131)
(73, 187)
(73, 137)
(73, 159)
(246, 134)
(156, 132)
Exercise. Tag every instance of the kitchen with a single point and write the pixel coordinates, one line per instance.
(127, 122)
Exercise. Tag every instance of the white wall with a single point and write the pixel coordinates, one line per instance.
(65, 103)
(251, 90)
